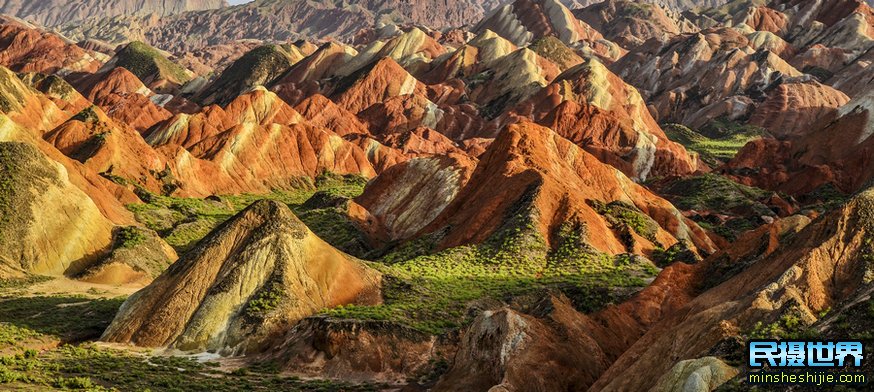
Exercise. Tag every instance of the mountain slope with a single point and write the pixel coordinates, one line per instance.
(47, 225)
(561, 192)
(631, 23)
(149, 65)
(834, 150)
(29, 49)
(797, 277)
(247, 282)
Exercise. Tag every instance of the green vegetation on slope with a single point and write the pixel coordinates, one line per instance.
(129, 237)
(184, 221)
(626, 218)
(148, 64)
(712, 195)
(824, 198)
(552, 49)
(52, 85)
(23, 170)
(718, 142)
(255, 68)
(718, 193)
(433, 292)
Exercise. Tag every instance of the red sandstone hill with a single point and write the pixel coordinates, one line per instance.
(834, 151)
(791, 269)
(407, 196)
(109, 147)
(29, 49)
(375, 83)
(28, 115)
(530, 173)
(321, 111)
(819, 38)
(735, 73)
(465, 143)
(819, 267)
(791, 108)
(254, 144)
(597, 110)
(302, 78)
(124, 98)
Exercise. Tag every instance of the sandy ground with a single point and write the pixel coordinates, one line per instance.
(68, 287)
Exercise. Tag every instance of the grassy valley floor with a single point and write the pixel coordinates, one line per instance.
(48, 327)
(47, 343)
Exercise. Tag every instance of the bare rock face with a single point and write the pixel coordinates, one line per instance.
(380, 156)
(682, 5)
(773, 43)
(471, 58)
(48, 225)
(123, 97)
(503, 348)
(244, 284)
(511, 79)
(421, 141)
(856, 78)
(367, 351)
(58, 12)
(495, 74)
(375, 83)
(28, 114)
(25, 106)
(255, 144)
(412, 49)
(764, 19)
(532, 173)
(321, 111)
(406, 197)
(828, 40)
(213, 59)
(110, 148)
(303, 78)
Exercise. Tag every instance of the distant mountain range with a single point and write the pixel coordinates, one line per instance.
(58, 12)
(282, 20)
